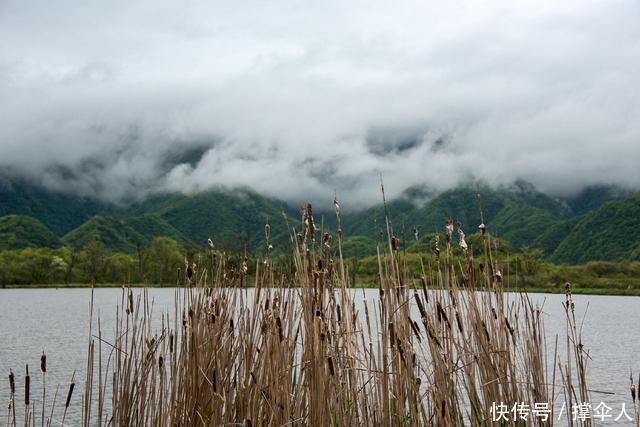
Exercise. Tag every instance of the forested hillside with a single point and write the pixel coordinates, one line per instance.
(600, 223)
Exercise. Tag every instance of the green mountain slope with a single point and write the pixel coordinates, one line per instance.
(61, 213)
(519, 214)
(611, 232)
(230, 218)
(599, 223)
(19, 231)
(593, 197)
(522, 224)
(122, 235)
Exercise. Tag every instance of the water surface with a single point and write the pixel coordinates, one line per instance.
(57, 321)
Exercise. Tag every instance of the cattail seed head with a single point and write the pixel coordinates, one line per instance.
(210, 243)
(43, 362)
(483, 229)
(394, 243)
(449, 229)
(310, 224)
(462, 242)
(27, 386)
(130, 300)
(69, 394)
(12, 382)
(267, 231)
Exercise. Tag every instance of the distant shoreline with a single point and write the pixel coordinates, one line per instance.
(532, 290)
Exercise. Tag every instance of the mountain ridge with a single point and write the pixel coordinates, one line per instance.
(564, 228)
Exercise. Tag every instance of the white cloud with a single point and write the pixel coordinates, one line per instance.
(299, 99)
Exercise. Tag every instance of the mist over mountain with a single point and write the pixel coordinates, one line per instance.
(296, 101)
(599, 223)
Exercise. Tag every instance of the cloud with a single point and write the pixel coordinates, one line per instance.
(297, 100)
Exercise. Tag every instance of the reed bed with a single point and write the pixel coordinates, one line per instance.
(439, 349)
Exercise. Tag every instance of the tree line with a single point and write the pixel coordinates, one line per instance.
(156, 263)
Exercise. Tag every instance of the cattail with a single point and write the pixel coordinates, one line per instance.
(310, 224)
(509, 327)
(43, 369)
(267, 231)
(279, 326)
(483, 229)
(12, 382)
(336, 205)
(415, 232)
(423, 312)
(130, 299)
(459, 322)
(392, 334)
(27, 386)
(437, 251)
(394, 243)
(462, 242)
(415, 328)
(69, 394)
(326, 240)
(210, 243)
(190, 271)
(449, 229)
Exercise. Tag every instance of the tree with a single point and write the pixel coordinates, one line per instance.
(532, 259)
(58, 268)
(120, 268)
(165, 256)
(93, 260)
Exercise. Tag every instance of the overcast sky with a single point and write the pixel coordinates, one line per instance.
(298, 99)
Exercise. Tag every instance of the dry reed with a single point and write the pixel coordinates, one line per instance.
(431, 350)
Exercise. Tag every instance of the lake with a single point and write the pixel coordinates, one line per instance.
(57, 321)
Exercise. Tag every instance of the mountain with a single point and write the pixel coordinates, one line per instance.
(517, 214)
(122, 235)
(599, 223)
(593, 197)
(59, 212)
(231, 218)
(19, 231)
(611, 232)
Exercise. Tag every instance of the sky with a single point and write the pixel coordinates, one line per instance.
(297, 100)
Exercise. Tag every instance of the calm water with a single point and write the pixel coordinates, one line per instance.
(57, 321)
